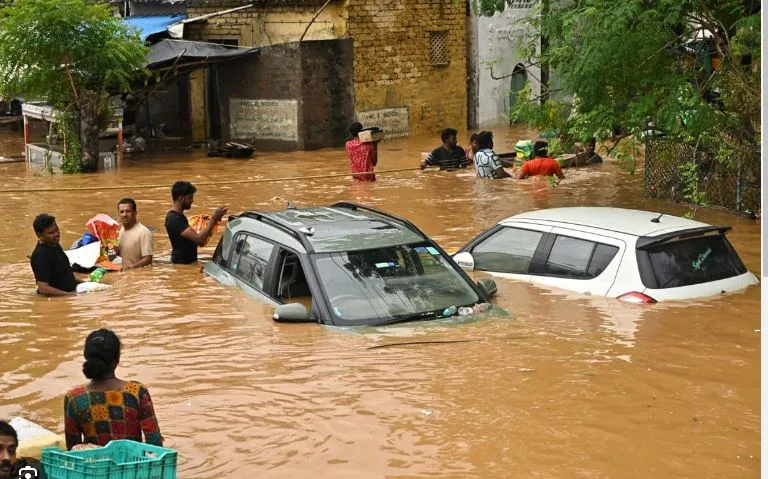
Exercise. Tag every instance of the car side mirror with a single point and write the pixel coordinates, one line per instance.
(488, 286)
(291, 313)
(465, 261)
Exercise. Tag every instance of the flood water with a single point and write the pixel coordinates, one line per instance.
(564, 386)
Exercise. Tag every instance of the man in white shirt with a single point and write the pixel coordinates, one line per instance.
(487, 162)
(135, 241)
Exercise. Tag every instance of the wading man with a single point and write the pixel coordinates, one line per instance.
(184, 239)
(135, 240)
(53, 273)
(12, 466)
(487, 162)
(449, 156)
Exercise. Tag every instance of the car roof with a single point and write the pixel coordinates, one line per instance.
(335, 229)
(626, 221)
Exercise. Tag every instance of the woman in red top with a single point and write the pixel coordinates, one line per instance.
(362, 156)
(541, 164)
(108, 408)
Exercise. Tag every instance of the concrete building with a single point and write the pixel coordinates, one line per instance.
(406, 61)
(497, 70)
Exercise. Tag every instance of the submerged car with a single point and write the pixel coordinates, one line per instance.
(635, 256)
(343, 265)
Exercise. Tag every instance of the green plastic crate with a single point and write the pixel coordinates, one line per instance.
(120, 459)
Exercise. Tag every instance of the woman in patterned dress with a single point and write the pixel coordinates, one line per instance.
(108, 408)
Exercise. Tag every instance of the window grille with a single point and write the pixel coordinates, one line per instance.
(438, 44)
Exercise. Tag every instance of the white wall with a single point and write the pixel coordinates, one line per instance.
(498, 40)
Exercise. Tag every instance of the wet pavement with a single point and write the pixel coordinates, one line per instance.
(564, 386)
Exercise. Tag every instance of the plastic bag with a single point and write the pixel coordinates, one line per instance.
(106, 230)
(199, 222)
(524, 149)
(90, 286)
(33, 438)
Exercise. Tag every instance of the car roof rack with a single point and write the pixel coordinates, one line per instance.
(282, 225)
(356, 206)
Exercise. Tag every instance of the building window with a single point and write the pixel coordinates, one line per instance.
(438, 44)
(521, 3)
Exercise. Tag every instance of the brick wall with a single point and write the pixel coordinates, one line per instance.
(392, 64)
(269, 24)
(318, 74)
(327, 92)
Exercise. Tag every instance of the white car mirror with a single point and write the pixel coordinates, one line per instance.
(465, 261)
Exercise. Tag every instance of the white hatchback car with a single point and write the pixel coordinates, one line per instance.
(635, 256)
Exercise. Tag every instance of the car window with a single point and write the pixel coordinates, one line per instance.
(218, 257)
(250, 259)
(569, 257)
(694, 261)
(509, 250)
(604, 254)
(392, 284)
(292, 286)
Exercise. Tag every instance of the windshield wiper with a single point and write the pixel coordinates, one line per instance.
(427, 315)
(411, 317)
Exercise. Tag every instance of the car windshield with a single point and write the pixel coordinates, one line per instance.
(694, 261)
(385, 285)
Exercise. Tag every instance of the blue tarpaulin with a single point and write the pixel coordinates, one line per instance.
(148, 25)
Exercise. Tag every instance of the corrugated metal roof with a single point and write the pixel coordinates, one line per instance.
(148, 25)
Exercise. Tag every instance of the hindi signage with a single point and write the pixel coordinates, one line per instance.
(394, 121)
(264, 119)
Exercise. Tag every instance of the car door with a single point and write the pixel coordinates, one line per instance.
(507, 250)
(578, 261)
(251, 260)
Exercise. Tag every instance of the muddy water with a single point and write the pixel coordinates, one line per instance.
(564, 386)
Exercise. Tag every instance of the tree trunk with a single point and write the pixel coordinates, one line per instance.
(89, 129)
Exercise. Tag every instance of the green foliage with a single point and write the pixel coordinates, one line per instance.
(67, 123)
(637, 65)
(691, 192)
(55, 50)
(553, 181)
(626, 152)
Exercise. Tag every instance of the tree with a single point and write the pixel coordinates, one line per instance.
(72, 54)
(686, 68)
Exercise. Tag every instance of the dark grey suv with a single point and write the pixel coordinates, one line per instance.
(343, 265)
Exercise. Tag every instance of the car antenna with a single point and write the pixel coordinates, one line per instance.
(657, 219)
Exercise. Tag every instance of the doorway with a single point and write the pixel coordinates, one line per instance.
(517, 84)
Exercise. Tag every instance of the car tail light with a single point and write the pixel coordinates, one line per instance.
(637, 298)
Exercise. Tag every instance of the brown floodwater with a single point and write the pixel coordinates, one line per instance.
(563, 386)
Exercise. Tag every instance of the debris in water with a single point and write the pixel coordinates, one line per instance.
(526, 370)
(426, 412)
(482, 307)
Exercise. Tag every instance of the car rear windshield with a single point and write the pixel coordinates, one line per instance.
(690, 261)
(382, 285)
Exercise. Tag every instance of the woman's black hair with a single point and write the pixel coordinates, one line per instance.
(102, 353)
